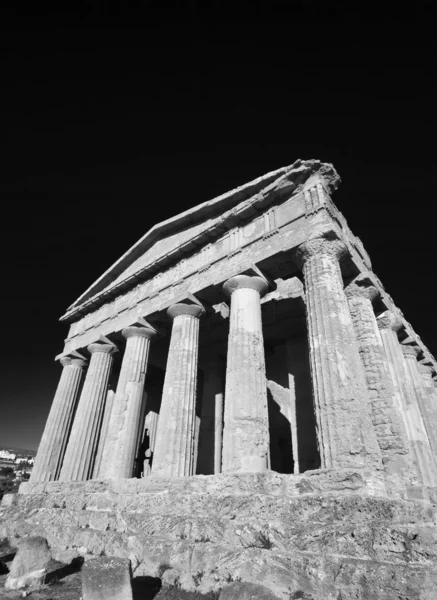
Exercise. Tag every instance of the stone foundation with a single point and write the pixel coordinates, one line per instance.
(328, 534)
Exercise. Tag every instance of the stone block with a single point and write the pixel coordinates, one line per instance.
(107, 579)
(29, 567)
(9, 500)
(171, 577)
(242, 590)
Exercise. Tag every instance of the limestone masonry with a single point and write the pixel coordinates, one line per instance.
(241, 400)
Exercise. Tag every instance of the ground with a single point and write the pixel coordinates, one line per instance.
(64, 583)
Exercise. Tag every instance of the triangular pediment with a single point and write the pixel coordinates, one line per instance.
(169, 241)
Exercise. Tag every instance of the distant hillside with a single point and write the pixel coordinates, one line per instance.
(19, 451)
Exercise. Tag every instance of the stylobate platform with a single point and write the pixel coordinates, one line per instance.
(324, 534)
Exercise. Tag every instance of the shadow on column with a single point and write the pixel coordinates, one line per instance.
(281, 449)
(153, 393)
(299, 369)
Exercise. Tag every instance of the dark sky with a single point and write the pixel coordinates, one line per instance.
(115, 119)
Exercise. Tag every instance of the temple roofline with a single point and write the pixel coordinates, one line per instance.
(301, 171)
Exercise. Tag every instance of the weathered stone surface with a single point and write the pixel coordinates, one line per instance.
(346, 436)
(317, 533)
(246, 428)
(121, 442)
(107, 579)
(171, 577)
(390, 431)
(29, 567)
(82, 446)
(290, 288)
(53, 443)
(429, 406)
(175, 437)
(109, 403)
(246, 591)
(415, 390)
(389, 324)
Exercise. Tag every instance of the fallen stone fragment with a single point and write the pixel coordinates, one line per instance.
(107, 578)
(242, 590)
(29, 567)
(171, 577)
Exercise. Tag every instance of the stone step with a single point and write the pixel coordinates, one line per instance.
(346, 481)
(265, 508)
(383, 540)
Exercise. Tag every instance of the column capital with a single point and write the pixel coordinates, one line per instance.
(362, 287)
(185, 309)
(321, 246)
(139, 331)
(74, 359)
(409, 351)
(239, 282)
(101, 346)
(389, 320)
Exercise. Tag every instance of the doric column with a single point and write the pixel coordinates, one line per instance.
(390, 430)
(246, 421)
(389, 324)
(176, 426)
(429, 406)
(54, 439)
(345, 433)
(82, 446)
(103, 432)
(121, 442)
(415, 398)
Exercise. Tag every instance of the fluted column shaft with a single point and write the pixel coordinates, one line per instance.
(121, 442)
(389, 324)
(82, 446)
(246, 421)
(415, 399)
(175, 434)
(345, 433)
(390, 431)
(54, 440)
(429, 406)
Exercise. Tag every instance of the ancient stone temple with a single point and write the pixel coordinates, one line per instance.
(241, 399)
